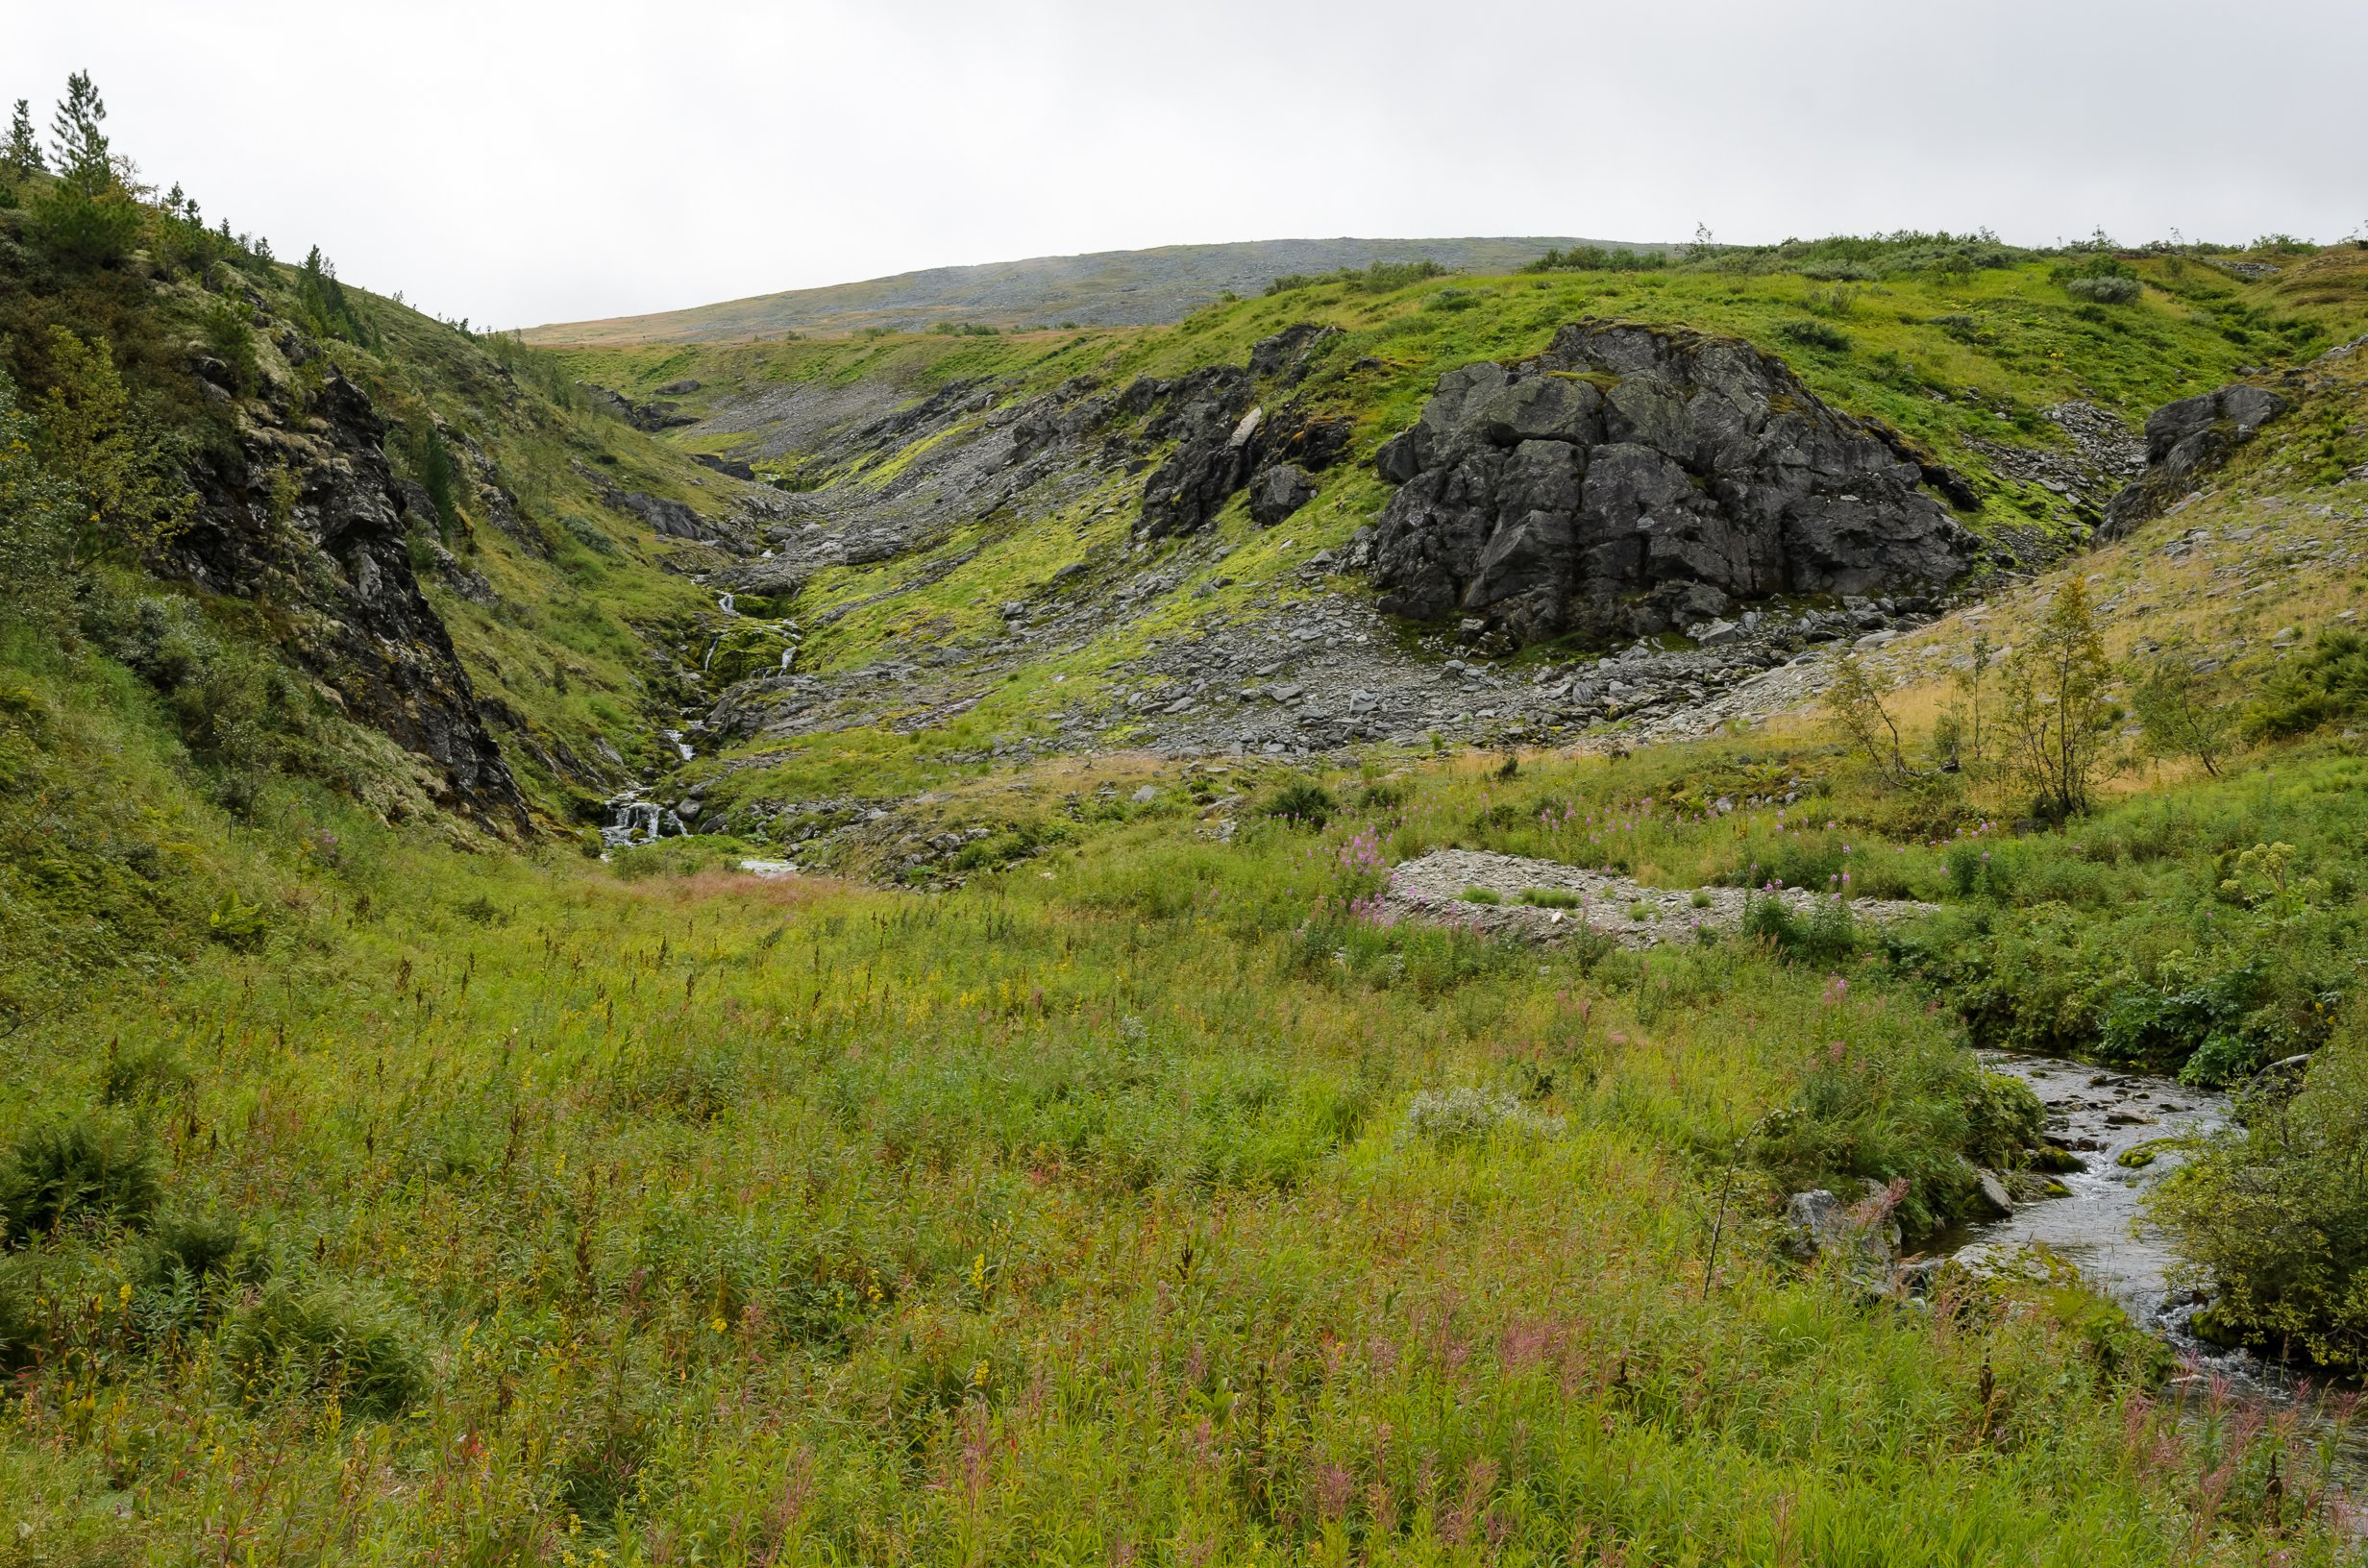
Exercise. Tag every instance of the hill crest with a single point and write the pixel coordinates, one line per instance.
(1099, 289)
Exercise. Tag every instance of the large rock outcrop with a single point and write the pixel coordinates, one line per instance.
(1633, 479)
(1227, 440)
(304, 521)
(2184, 441)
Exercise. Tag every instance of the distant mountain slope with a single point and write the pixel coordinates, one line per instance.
(1108, 288)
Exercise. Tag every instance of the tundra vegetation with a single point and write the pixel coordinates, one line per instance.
(378, 1185)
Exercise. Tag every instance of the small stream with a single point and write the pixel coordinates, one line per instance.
(2100, 1226)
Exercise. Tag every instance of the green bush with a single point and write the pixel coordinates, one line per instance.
(326, 1344)
(77, 229)
(21, 1331)
(230, 334)
(2274, 1213)
(200, 1246)
(1381, 277)
(1827, 934)
(79, 1171)
(1596, 258)
(143, 1073)
(1913, 1109)
(1303, 803)
(1814, 334)
(2105, 290)
(2322, 686)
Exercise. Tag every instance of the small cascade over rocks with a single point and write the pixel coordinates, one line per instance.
(633, 821)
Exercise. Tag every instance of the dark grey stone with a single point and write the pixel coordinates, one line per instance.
(1279, 490)
(1631, 480)
(2185, 441)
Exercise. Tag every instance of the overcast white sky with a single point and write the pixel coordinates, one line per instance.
(520, 162)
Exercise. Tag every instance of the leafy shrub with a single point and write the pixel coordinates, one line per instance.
(2105, 290)
(2004, 1120)
(2274, 1213)
(237, 925)
(146, 1072)
(322, 1343)
(1825, 935)
(1386, 794)
(1879, 1114)
(231, 336)
(1839, 272)
(22, 1331)
(1498, 816)
(1814, 334)
(82, 1169)
(1303, 803)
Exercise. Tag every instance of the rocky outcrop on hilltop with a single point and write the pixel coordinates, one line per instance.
(2185, 441)
(305, 519)
(1630, 480)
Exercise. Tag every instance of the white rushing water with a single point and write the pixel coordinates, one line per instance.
(633, 821)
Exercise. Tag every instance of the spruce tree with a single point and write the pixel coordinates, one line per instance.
(80, 146)
(24, 152)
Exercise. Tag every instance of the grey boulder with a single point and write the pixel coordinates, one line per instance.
(1632, 480)
(1279, 490)
(2185, 441)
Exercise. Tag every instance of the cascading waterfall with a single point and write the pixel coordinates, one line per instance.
(633, 821)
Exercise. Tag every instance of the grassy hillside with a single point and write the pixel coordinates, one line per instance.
(1105, 288)
(1140, 1183)
(1975, 364)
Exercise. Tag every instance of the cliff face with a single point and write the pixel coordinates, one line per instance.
(1633, 479)
(304, 520)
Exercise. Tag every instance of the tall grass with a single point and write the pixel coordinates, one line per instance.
(1087, 1217)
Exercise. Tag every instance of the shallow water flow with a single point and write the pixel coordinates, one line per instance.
(2098, 1226)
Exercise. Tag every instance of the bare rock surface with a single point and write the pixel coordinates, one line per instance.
(1433, 886)
(1630, 480)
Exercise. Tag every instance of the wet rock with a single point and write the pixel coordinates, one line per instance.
(1995, 1201)
(1631, 480)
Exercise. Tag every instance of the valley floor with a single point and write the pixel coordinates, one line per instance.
(1160, 1198)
